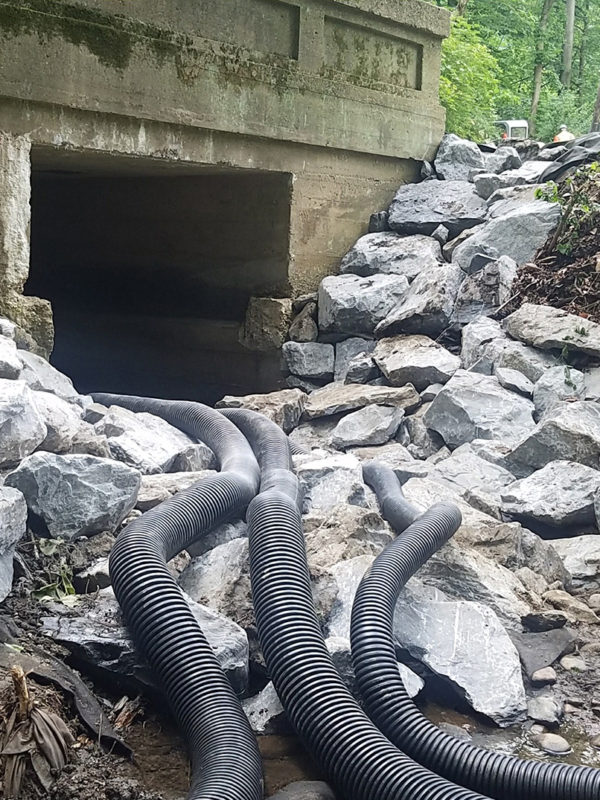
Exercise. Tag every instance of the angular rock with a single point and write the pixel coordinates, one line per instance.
(155, 489)
(392, 455)
(473, 406)
(581, 556)
(304, 327)
(335, 399)
(266, 324)
(475, 338)
(305, 790)
(7, 328)
(143, 441)
(540, 650)
(414, 359)
(504, 158)
(97, 635)
(87, 442)
(465, 644)
(545, 709)
(378, 222)
(216, 536)
(569, 432)
(326, 482)
(541, 621)
(552, 329)
(62, 421)
(347, 576)
(10, 363)
(346, 351)
(22, 428)
(422, 442)
(464, 470)
(284, 407)
(349, 304)
(13, 527)
(265, 713)
(574, 608)
(483, 292)
(560, 495)
(94, 412)
(313, 435)
(427, 306)
(505, 353)
(100, 492)
(391, 254)
(519, 234)
(514, 381)
(195, 458)
(362, 369)
(422, 207)
(371, 425)
(521, 194)
(294, 382)
(41, 376)
(456, 158)
(309, 359)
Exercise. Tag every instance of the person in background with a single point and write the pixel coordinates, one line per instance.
(564, 135)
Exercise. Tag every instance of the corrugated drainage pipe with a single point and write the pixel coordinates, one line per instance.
(226, 763)
(360, 762)
(374, 657)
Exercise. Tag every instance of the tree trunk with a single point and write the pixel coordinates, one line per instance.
(539, 63)
(583, 50)
(596, 120)
(461, 7)
(568, 48)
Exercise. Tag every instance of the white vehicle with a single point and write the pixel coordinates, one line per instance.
(513, 128)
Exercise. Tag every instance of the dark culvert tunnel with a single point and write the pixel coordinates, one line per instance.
(149, 272)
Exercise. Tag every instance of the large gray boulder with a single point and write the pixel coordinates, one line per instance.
(414, 359)
(13, 527)
(558, 384)
(465, 644)
(62, 420)
(569, 432)
(427, 306)
(484, 291)
(518, 234)
(552, 329)
(350, 304)
(581, 557)
(346, 351)
(143, 441)
(389, 253)
(465, 470)
(473, 406)
(560, 495)
(504, 158)
(325, 482)
(456, 158)
(422, 207)
(10, 363)
(76, 495)
(309, 359)
(337, 398)
(22, 427)
(371, 425)
(96, 634)
(284, 408)
(41, 376)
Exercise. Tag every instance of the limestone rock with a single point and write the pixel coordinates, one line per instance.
(10, 363)
(389, 253)
(89, 443)
(484, 291)
(100, 492)
(335, 399)
(7, 329)
(581, 556)
(13, 527)
(41, 376)
(195, 458)
(551, 328)
(392, 454)
(473, 406)
(466, 645)
(456, 158)
(560, 495)
(345, 353)
(362, 369)
(569, 432)
(284, 407)
(545, 709)
(514, 381)
(326, 482)
(305, 790)
(464, 470)
(347, 576)
(304, 327)
(216, 536)
(371, 425)
(61, 419)
(22, 428)
(540, 650)
(265, 713)
(314, 434)
(309, 359)
(574, 608)
(422, 441)
(350, 304)
(519, 234)
(414, 359)
(504, 158)
(154, 489)
(144, 441)
(267, 323)
(422, 207)
(427, 306)
(97, 635)
(475, 337)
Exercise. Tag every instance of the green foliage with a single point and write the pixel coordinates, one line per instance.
(468, 84)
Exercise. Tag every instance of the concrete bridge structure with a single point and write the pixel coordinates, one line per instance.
(164, 161)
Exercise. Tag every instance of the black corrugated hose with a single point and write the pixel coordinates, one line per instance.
(226, 763)
(374, 657)
(360, 762)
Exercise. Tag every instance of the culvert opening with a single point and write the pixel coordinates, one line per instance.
(149, 271)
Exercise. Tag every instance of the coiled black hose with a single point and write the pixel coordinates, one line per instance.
(358, 759)
(226, 763)
(373, 654)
